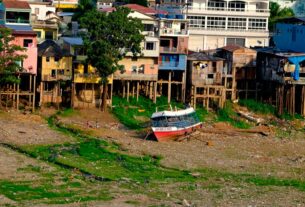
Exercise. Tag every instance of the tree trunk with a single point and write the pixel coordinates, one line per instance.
(104, 101)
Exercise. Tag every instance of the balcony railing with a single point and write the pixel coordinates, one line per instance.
(21, 21)
(168, 63)
(172, 50)
(169, 31)
(56, 77)
(259, 10)
(86, 75)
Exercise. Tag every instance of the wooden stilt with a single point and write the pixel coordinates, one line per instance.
(183, 87)
(151, 90)
(138, 87)
(155, 91)
(169, 89)
(124, 89)
(111, 93)
(133, 89)
(30, 90)
(128, 84)
(34, 94)
(18, 92)
(194, 95)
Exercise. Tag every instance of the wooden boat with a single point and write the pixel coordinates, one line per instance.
(169, 125)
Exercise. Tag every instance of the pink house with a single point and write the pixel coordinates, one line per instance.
(27, 40)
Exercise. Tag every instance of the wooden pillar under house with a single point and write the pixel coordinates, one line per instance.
(151, 90)
(111, 93)
(183, 92)
(169, 89)
(128, 85)
(133, 89)
(124, 89)
(138, 87)
(194, 96)
(34, 94)
(18, 92)
(233, 94)
(30, 90)
(303, 101)
(155, 91)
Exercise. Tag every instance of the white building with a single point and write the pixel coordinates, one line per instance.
(217, 23)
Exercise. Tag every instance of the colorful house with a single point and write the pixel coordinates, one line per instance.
(205, 80)
(16, 16)
(55, 73)
(44, 20)
(86, 83)
(140, 74)
(173, 32)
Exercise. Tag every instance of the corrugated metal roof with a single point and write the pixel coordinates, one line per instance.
(50, 48)
(232, 48)
(73, 40)
(19, 27)
(202, 56)
(65, 14)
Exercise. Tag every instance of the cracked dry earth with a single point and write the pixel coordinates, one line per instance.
(243, 153)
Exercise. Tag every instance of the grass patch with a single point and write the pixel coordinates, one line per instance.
(227, 114)
(67, 112)
(136, 114)
(257, 106)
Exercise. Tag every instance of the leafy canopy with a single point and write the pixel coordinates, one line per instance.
(277, 13)
(10, 57)
(109, 37)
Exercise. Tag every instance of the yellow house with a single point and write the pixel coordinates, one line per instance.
(54, 69)
(86, 83)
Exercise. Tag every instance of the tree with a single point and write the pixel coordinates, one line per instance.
(109, 38)
(10, 57)
(83, 7)
(276, 13)
(140, 2)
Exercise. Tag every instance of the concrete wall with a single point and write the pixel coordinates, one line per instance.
(43, 9)
(64, 63)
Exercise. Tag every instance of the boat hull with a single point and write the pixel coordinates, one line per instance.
(164, 134)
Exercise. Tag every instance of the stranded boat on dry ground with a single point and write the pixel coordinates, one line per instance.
(168, 125)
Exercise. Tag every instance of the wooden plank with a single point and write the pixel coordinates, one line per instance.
(155, 91)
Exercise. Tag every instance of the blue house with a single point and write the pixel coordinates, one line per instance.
(290, 35)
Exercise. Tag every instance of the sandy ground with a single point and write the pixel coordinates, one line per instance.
(242, 153)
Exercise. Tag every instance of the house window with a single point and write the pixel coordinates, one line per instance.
(217, 5)
(148, 27)
(49, 35)
(134, 59)
(210, 76)
(36, 11)
(38, 34)
(27, 42)
(216, 22)
(56, 59)
(257, 24)
(237, 23)
(236, 41)
(134, 68)
(196, 21)
(48, 59)
(168, 24)
(149, 46)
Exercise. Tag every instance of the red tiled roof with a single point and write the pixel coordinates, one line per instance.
(144, 10)
(12, 4)
(138, 8)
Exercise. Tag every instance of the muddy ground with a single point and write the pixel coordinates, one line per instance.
(234, 153)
